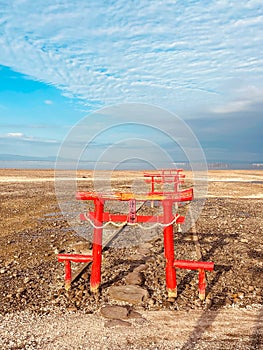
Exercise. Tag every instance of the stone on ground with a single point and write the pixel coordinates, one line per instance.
(114, 323)
(130, 293)
(114, 312)
(134, 277)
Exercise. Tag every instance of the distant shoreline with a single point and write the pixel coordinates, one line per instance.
(45, 165)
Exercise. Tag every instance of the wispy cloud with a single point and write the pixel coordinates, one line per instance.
(20, 137)
(17, 143)
(162, 52)
(28, 126)
(243, 99)
(48, 102)
(14, 134)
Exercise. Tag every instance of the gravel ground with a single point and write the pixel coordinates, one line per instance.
(228, 329)
(37, 313)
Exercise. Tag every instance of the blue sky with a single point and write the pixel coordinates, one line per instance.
(62, 60)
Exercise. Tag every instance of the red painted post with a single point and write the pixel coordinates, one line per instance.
(67, 274)
(201, 284)
(97, 246)
(132, 211)
(152, 184)
(169, 249)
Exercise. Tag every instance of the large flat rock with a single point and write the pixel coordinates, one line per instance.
(114, 312)
(130, 293)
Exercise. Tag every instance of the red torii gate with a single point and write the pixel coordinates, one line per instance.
(99, 217)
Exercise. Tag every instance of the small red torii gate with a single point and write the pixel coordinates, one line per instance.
(167, 198)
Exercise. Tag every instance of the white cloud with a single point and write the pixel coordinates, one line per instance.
(249, 21)
(232, 107)
(244, 98)
(17, 143)
(48, 102)
(20, 137)
(15, 134)
(174, 54)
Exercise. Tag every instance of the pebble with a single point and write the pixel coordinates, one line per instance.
(240, 295)
(147, 245)
(81, 248)
(9, 263)
(143, 251)
(72, 309)
(20, 290)
(137, 256)
(228, 301)
(134, 277)
(171, 300)
(141, 268)
(208, 303)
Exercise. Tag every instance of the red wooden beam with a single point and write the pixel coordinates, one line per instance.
(181, 196)
(194, 265)
(74, 257)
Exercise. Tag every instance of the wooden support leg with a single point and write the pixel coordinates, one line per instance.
(169, 250)
(95, 277)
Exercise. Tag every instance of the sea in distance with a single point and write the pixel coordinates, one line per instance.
(139, 165)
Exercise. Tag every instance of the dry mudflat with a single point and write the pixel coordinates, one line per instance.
(37, 313)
